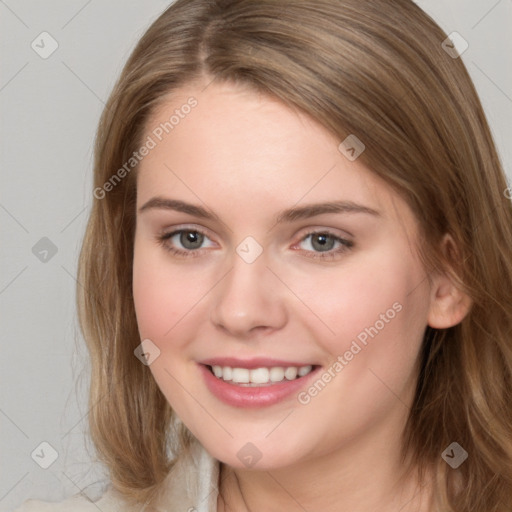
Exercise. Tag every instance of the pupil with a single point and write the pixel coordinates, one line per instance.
(191, 237)
(323, 243)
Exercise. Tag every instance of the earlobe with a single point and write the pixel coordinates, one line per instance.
(448, 304)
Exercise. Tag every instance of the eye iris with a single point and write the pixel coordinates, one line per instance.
(323, 240)
(192, 237)
(193, 240)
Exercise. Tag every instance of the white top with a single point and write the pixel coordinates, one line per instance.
(191, 486)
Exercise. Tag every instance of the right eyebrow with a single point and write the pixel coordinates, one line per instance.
(289, 215)
(180, 206)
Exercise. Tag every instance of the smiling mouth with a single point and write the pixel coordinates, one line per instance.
(263, 376)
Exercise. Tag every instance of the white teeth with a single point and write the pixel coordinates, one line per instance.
(241, 375)
(290, 373)
(304, 370)
(260, 375)
(276, 374)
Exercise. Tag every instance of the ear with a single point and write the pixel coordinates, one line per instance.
(448, 304)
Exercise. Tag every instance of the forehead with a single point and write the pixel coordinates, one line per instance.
(235, 147)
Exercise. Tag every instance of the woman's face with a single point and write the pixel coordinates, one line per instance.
(269, 283)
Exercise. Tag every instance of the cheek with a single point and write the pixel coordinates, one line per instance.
(377, 310)
(379, 300)
(163, 294)
(149, 295)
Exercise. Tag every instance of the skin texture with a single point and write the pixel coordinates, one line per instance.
(246, 157)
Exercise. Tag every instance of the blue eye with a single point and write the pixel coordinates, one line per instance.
(322, 243)
(190, 239)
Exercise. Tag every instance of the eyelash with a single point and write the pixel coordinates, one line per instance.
(346, 245)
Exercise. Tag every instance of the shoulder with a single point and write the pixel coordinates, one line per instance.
(78, 503)
(192, 484)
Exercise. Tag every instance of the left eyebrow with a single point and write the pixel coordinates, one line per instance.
(289, 215)
(312, 210)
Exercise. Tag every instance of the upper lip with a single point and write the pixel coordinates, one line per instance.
(257, 362)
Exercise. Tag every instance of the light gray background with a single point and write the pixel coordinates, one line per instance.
(50, 109)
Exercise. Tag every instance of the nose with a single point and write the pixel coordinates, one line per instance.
(249, 299)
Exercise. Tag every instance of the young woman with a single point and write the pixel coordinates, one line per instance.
(297, 272)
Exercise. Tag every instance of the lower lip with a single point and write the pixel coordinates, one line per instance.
(252, 396)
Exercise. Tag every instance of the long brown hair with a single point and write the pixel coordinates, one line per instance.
(376, 69)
